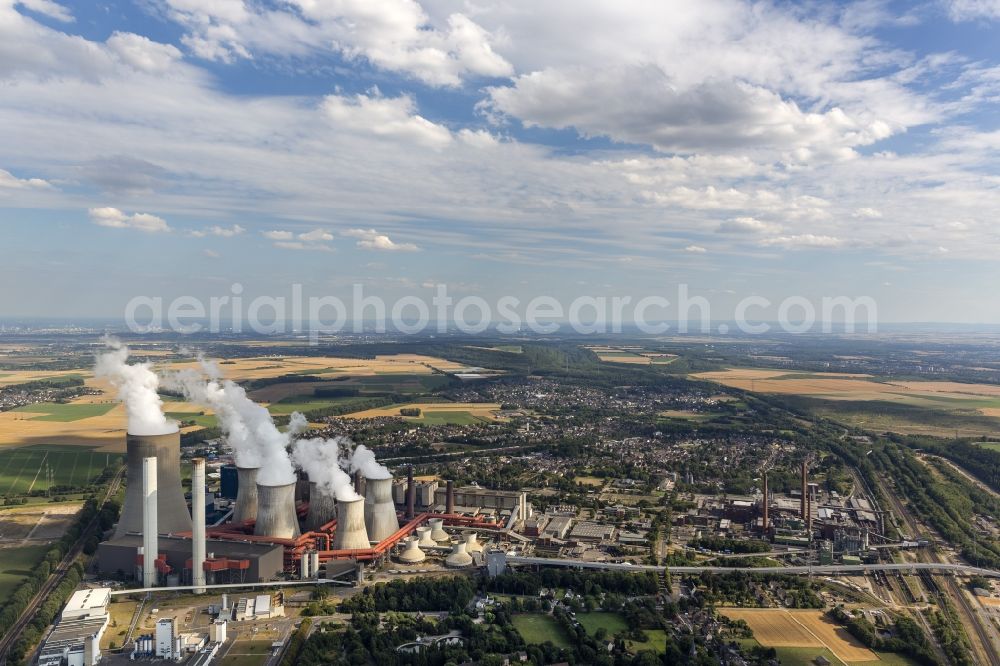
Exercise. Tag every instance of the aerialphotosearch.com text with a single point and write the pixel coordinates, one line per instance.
(543, 314)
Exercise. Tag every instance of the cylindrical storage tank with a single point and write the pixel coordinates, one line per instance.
(171, 508)
(276, 512)
(437, 530)
(458, 556)
(322, 507)
(412, 553)
(380, 512)
(246, 495)
(424, 539)
(351, 532)
(472, 544)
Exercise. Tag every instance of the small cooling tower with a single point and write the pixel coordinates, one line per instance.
(458, 557)
(246, 495)
(412, 553)
(276, 512)
(424, 538)
(322, 507)
(171, 508)
(437, 530)
(380, 512)
(472, 544)
(351, 532)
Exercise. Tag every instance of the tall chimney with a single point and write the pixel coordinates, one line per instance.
(198, 531)
(246, 495)
(150, 547)
(809, 518)
(172, 510)
(766, 503)
(411, 493)
(805, 488)
(449, 501)
(357, 482)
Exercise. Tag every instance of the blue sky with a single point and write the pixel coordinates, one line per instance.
(174, 147)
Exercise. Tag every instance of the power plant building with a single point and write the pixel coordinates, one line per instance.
(226, 561)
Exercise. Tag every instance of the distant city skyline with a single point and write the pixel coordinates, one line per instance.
(170, 148)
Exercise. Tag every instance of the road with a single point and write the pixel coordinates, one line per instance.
(11, 637)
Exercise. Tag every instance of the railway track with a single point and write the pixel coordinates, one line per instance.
(56, 577)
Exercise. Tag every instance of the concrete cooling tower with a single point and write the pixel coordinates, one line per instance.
(458, 557)
(412, 553)
(171, 509)
(424, 539)
(322, 507)
(472, 544)
(437, 530)
(380, 512)
(351, 531)
(246, 495)
(276, 512)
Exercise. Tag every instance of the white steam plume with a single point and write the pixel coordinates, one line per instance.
(363, 460)
(320, 459)
(136, 384)
(248, 426)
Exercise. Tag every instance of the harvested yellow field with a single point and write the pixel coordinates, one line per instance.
(956, 388)
(8, 377)
(634, 360)
(777, 627)
(265, 367)
(486, 410)
(106, 431)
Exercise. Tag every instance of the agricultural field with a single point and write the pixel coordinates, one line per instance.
(538, 628)
(779, 628)
(306, 403)
(25, 469)
(15, 565)
(36, 523)
(909, 407)
(270, 367)
(66, 411)
(434, 413)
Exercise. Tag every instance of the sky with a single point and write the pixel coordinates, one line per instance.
(564, 147)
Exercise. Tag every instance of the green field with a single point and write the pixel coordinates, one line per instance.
(15, 565)
(307, 403)
(25, 469)
(612, 623)
(57, 411)
(804, 656)
(657, 642)
(537, 628)
(448, 418)
(204, 420)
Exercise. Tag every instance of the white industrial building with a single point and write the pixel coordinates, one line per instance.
(75, 640)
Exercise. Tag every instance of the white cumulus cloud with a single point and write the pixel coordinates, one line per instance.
(390, 117)
(117, 219)
(370, 239)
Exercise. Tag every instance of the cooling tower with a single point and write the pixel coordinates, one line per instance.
(276, 512)
(472, 544)
(458, 557)
(380, 512)
(424, 538)
(198, 532)
(437, 530)
(322, 507)
(246, 495)
(412, 553)
(351, 532)
(171, 508)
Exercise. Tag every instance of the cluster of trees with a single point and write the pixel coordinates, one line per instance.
(906, 636)
(418, 594)
(948, 630)
(721, 544)
(742, 588)
(590, 583)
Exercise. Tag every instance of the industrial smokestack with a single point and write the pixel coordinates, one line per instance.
(449, 501)
(351, 532)
(172, 514)
(412, 553)
(809, 517)
(276, 512)
(380, 512)
(411, 493)
(246, 495)
(805, 487)
(150, 547)
(322, 507)
(766, 503)
(357, 483)
(198, 518)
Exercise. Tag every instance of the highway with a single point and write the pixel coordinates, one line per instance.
(56, 576)
(225, 586)
(942, 568)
